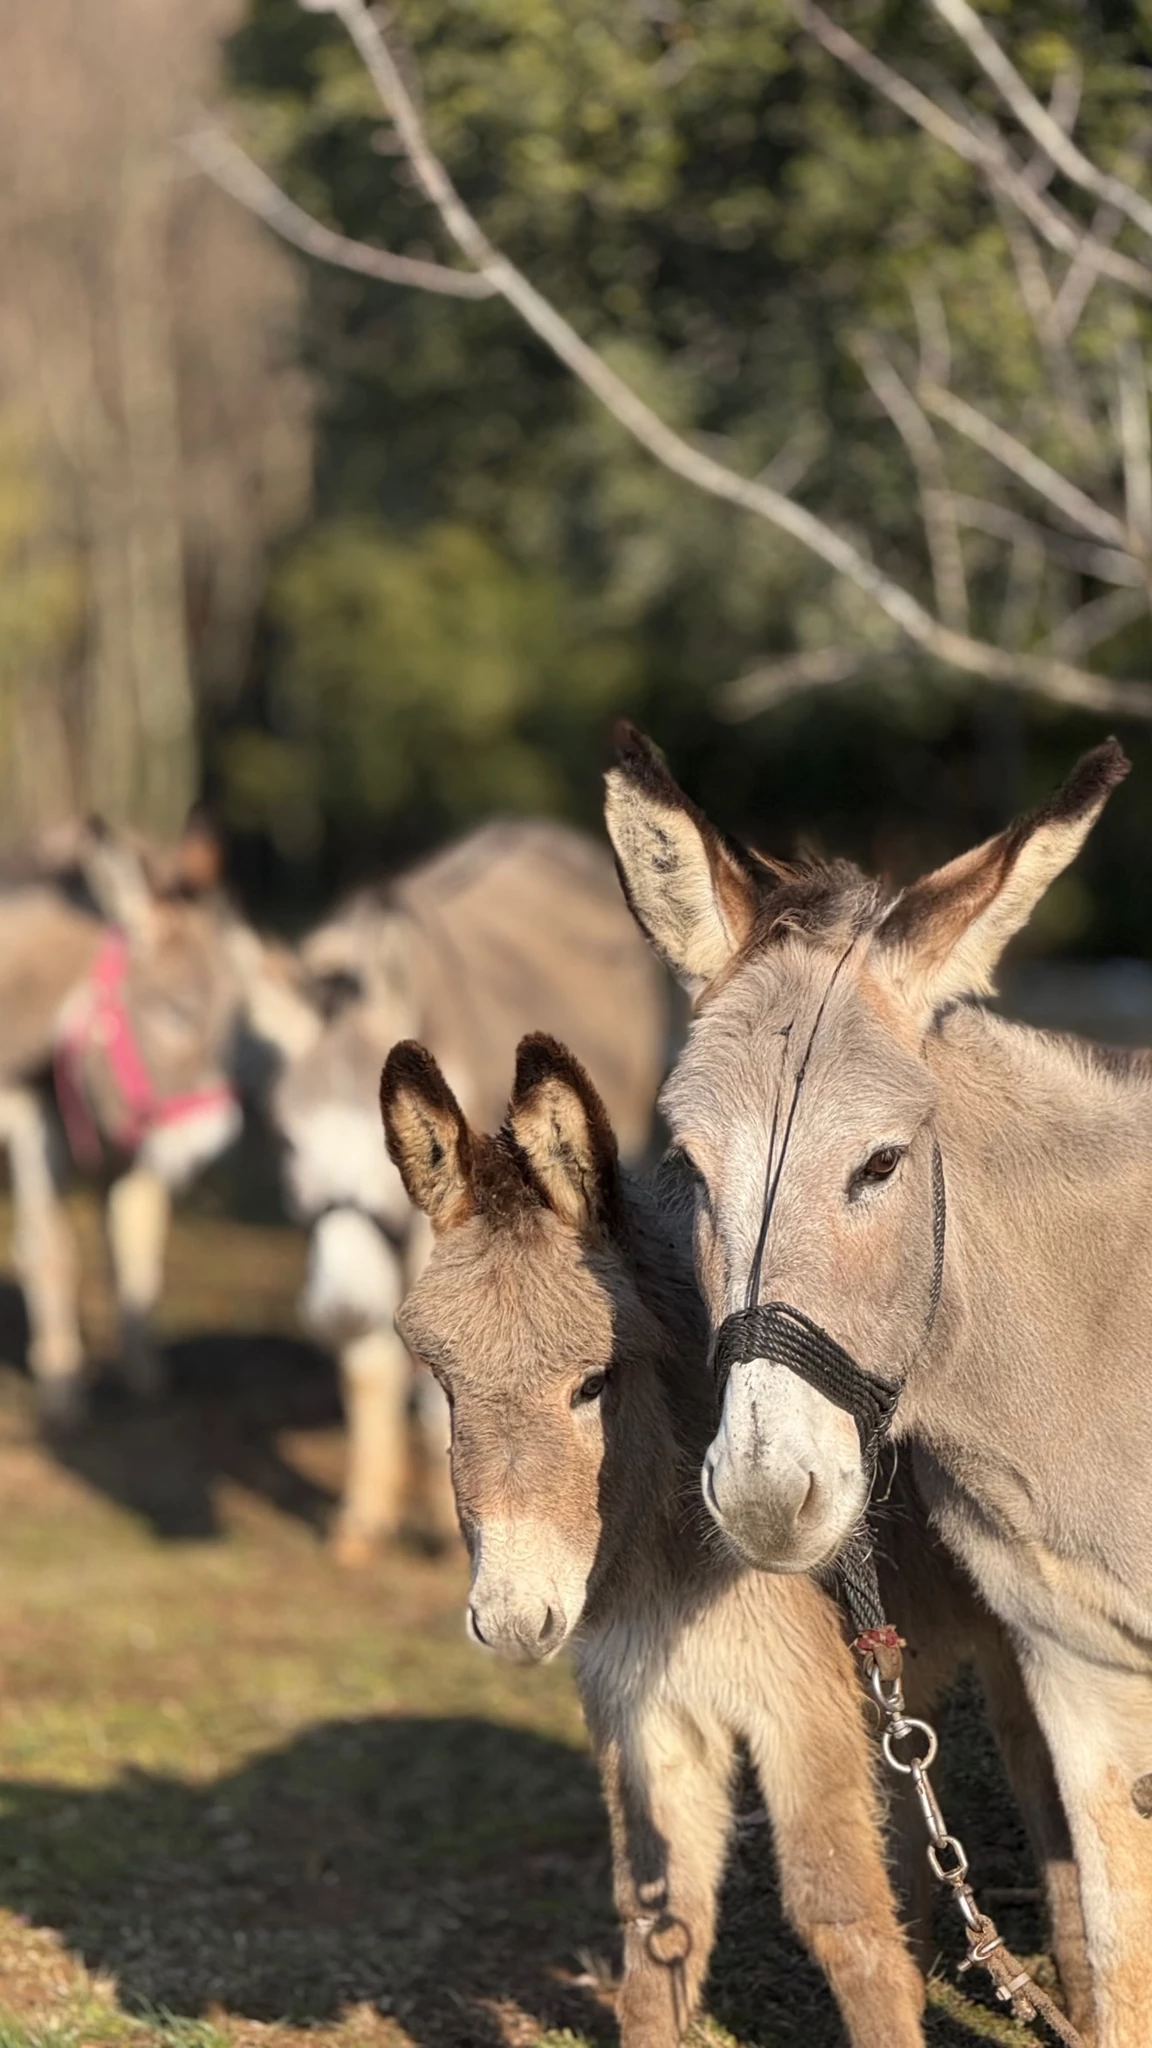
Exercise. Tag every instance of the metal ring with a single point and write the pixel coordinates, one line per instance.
(892, 1735)
(959, 1870)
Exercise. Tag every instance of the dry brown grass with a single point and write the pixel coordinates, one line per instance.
(245, 1799)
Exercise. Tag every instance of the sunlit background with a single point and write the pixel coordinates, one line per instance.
(356, 564)
(363, 563)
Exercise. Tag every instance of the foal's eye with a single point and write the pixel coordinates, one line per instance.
(882, 1163)
(590, 1389)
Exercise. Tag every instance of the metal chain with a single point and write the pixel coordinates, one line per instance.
(949, 1864)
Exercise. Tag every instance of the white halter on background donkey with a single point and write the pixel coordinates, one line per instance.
(834, 1054)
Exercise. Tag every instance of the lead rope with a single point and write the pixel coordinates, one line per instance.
(881, 1650)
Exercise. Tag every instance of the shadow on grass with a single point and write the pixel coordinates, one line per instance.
(227, 1399)
(439, 1870)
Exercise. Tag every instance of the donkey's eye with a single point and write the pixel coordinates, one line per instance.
(882, 1163)
(590, 1389)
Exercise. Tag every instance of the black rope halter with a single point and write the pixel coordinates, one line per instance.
(783, 1335)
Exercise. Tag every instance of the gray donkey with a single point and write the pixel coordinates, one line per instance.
(518, 923)
(112, 973)
(560, 1312)
(838, 1079)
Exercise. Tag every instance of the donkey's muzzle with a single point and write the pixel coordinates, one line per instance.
(782, 1335)
(522, 1635)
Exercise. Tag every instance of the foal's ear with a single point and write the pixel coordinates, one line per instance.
(427, 1136)
(562, 1128)
(944, 935)
(690, 888)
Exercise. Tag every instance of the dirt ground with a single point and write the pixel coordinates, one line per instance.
(248, 1799)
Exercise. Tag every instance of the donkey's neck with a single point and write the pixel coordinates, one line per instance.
(660, 1529)
(659, 1211)
(1041, 1341)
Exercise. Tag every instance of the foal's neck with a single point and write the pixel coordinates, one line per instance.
(659, 1209)
(658, 1523)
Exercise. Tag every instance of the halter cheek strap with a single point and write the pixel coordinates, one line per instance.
(783, 1335)
(97, 1018)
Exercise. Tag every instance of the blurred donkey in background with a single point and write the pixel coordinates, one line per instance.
(520, 926)
(115, 981)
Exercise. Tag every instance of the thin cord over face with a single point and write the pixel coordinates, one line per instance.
(772, 1183)
(753, 1288)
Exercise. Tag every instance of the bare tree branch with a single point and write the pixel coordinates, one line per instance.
(932, 329)
(1056, 679)
(1039, 304)
(940, 528)
(1098, 621)
(214, 152)
(1031, 469)
(1082, 273)
(1034, 117)
(987, 153)
(1003, 522)
(1022, 587)
(1063, 106)
(1134, 437)
(770, 682)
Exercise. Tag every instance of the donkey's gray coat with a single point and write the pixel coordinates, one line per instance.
(518, 924)
(560, 1311)
(1029, 1397)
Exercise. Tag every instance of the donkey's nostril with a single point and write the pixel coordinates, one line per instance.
(811, 1506)
(551, 1628)
(474, 1625)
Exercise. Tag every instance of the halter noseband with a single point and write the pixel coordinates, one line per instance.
(785, 1336)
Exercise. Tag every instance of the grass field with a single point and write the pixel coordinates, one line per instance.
(247, 1799)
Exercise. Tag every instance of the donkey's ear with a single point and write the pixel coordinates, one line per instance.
(117, 880)
(198, 858)
(427, 1136)
(562, 1128)
(691, 889)
(944, 936)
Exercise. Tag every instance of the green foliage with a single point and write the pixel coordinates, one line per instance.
(428, 679)
(720, 208)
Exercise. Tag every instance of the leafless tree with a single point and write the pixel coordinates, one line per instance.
(1074, 521)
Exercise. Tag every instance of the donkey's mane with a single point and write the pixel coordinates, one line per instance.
(813, 898)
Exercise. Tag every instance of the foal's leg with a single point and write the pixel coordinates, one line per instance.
(813, 1759)
(1028, 1768)
(137, 1218)
(668, 1789)
(1098, 1721)
(45, 1255)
